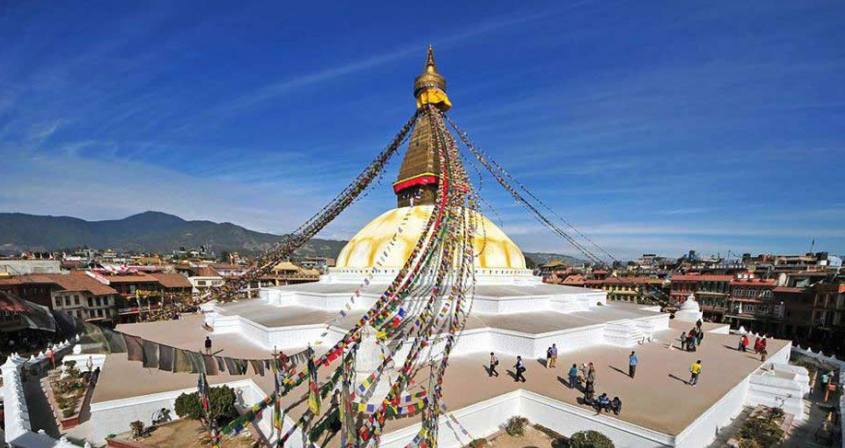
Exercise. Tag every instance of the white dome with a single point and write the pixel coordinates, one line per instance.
(690, 304)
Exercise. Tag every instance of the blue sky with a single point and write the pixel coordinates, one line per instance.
(653, 127)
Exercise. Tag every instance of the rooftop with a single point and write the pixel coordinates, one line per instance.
(651, 400)
(536, 322)
(74, 281)
(171, 280)
(702, 277)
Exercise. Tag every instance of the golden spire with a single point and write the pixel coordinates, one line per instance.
(420, 170)
(429, 60)
(429, 78)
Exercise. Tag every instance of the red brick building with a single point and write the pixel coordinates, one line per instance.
(711, 291)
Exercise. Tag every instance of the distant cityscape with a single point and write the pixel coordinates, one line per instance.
(796, 297)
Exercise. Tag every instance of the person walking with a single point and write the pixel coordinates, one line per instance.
(591, 377)
(632, 364)
(590, 384)
(520, 369)
(548, 357)
(743, 342)
(52, 357)
(494, 361)
(207, 345)
(695, 371)
(553, 358)
(684, 340)
(573, 376)
(757, 345)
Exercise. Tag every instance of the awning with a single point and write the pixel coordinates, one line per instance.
(32, 315)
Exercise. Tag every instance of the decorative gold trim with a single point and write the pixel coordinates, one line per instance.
(427, 173)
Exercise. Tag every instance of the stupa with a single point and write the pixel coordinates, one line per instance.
(513, 311)
(512, 314)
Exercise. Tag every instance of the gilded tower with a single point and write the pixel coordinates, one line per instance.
(420, 170)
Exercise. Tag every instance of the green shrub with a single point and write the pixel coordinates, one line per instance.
(745, 443)
(589, 439)
(221, 405)
(763, 431)
(137, 428)
(478, 443)
(67, 413)
(516, 426)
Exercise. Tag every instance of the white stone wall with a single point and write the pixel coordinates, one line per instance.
(114, 416)
(702, 431)
(487, 417)
(18, 430)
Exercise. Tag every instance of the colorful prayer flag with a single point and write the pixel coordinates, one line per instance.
(313, 388)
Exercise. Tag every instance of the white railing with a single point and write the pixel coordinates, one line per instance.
(821, 357)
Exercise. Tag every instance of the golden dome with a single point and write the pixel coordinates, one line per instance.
(497, 251)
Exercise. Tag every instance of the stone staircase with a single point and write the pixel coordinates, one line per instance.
(780, 385)
(623, 333)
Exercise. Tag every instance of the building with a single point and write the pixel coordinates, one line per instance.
(752, 305)
(203, 278)
(29, 266)
(17, 314)
(829, 314)
(84, 297)
(145, 292)
(321, 264)
(711, 291)
(797, 321)
(635, 289)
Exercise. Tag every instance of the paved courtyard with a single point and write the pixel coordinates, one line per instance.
(658, 398)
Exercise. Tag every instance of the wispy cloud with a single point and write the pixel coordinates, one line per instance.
(715, 140)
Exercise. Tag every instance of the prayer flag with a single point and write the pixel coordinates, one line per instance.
(277, 402)
(313, 388)
(202, 391)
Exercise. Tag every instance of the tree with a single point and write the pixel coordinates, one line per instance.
(221, 404)
(589, 439)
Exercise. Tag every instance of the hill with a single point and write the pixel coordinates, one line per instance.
(540, 258)
(162, 233)
(144, 232)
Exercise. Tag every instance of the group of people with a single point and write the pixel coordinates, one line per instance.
(586, 375)
(604, 403)
(692, 339)
(551, 356)
(519, 368)
(759, 346)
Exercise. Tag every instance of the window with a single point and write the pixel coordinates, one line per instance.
(76, 300)
(90, 302)
(67, 300)
(99, 303)
(100, 313)
(58, 301)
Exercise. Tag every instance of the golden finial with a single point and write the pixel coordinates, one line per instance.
(429, 60)
(429, 78)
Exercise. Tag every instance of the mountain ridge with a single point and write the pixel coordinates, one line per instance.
(155, 231)
(149, 231)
